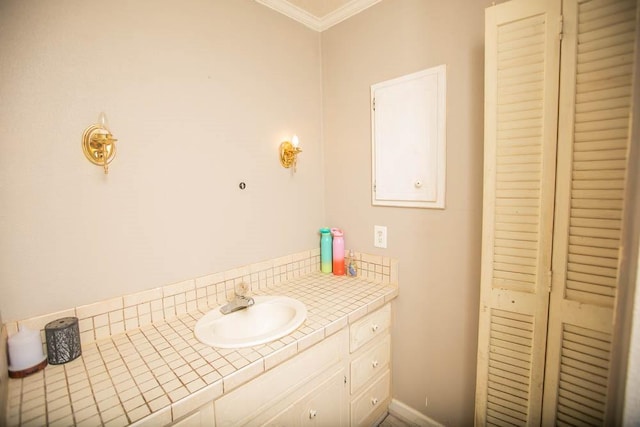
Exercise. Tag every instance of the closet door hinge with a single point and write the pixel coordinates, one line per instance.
(560, 26)
(549, 280)
(373, 104)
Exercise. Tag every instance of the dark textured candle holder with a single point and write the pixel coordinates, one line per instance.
(63, 340)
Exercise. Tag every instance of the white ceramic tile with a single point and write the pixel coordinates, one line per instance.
(121, 421)
(113, 412)
(133, 403)
(153, 394)
(281, 261)
(156, 305)
(157, 316)
(178, 393)
(210, 279)
(59, 413)
(310, 339)
(138, 413)
(178, 288)
(89, 422)
(276, 357)
(130, 312)
(196, 400)
(34, 422)
(129, 396)
(195, 385)
(260, 266)
(87, 336)
(376, 304)
(108, 403)
(243, 375)
(38, 323)
(100, 320)
(131, 323)
(144, 308)
(85, 413)
(142, 297)
(102, 332)
(145, 319)
(98, 308)
(158, 418)
(236, 273)
(116, 316)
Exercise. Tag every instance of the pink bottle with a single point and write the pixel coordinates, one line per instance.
(338, 251)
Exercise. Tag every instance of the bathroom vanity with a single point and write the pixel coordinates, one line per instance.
(334, 370)
(343, 380)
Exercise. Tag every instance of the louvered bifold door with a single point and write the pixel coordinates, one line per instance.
(593, 142)
(521, 84)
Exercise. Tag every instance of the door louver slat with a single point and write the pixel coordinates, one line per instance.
(509, 367)
(613, 18)
(584, 372)
(519, 173)
(518, 143)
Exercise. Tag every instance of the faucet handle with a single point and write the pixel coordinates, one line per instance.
(241, 289)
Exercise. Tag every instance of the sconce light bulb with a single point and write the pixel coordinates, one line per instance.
(102, 120)
(294, 141)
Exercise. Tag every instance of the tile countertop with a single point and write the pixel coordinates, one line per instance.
(160, 372)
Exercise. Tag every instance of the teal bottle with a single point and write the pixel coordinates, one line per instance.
(326, 242)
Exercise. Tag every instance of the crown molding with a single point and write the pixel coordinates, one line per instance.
(293, 12)
(319, 24)
(345, 12)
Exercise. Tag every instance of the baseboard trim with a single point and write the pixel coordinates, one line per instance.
(410, 415)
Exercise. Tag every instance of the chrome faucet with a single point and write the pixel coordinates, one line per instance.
(239, 302)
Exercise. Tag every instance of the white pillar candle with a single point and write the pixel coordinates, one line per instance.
(25, 349)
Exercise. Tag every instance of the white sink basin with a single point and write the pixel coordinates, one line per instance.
(270, 318)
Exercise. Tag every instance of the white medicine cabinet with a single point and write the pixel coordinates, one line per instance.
(408, 140)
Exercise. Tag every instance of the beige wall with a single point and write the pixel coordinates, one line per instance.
(434, 334)
(199, 93)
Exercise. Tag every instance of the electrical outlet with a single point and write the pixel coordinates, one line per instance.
(379, 236)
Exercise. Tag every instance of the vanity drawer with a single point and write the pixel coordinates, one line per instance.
(372, 402)
(368, 365)
(371, 325)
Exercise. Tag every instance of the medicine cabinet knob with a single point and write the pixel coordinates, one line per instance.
(374, 364)
(418, 184)
(374, 327)
(374, 401)
(312, 414)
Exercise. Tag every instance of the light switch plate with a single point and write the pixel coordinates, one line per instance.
(380, 236)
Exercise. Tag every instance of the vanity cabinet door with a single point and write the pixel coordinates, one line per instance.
(325, 405)
(271, 395)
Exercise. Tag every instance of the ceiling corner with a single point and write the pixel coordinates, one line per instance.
(314, 22)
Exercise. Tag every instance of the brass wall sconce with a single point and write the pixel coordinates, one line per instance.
(98, 145)
(289, 153)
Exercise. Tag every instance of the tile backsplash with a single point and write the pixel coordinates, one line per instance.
(129, 312)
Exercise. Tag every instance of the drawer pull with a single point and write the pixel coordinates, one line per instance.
(312, 414)
(374, 401)
(374, 327)
(374, 364)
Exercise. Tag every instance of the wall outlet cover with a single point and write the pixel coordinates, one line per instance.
(380, 236)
